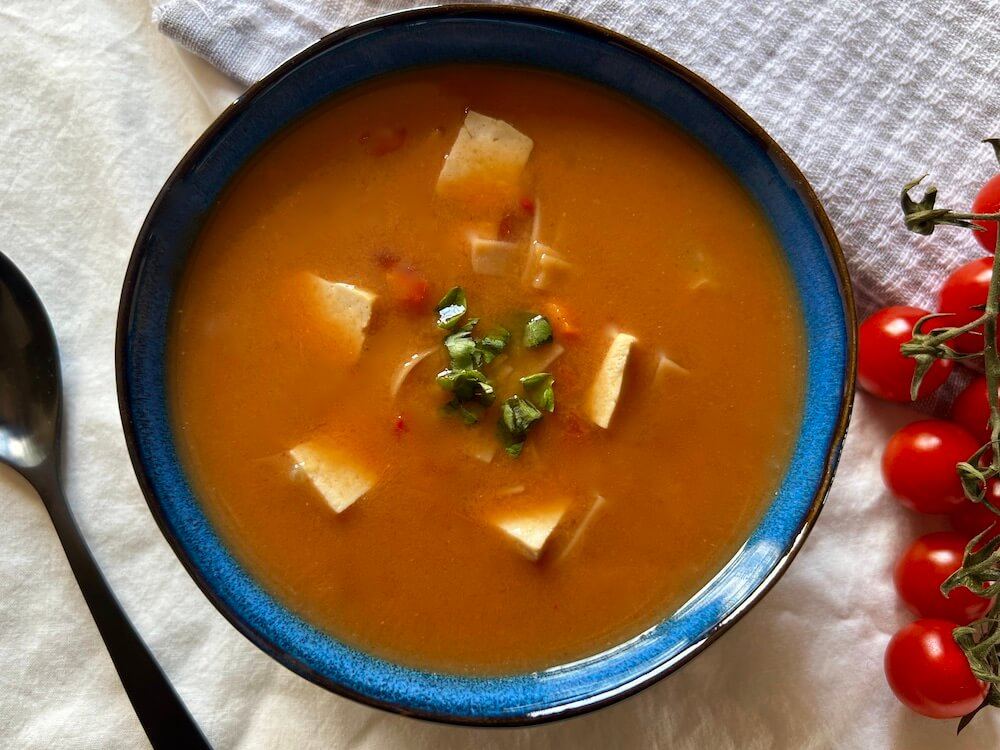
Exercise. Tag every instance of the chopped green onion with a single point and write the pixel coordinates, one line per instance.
(540, 391)
(462, 347)
(518, 414)
(451, 308)
(516, 417)
(467, 385)
(537, 331)
(493, 343)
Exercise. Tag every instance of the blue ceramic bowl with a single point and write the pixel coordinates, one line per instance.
(495, 35)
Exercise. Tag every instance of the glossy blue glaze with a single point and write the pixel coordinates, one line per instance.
(503, 36)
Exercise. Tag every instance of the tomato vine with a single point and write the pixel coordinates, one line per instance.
(980, 569)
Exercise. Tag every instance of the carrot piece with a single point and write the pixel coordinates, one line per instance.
(562, 322)
(408, 288)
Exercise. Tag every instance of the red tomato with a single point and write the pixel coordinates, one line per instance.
(923, 568)
(972, 519)
(882, 369)
(971, 409)
(966, 287)
(919, 465)
(929, 673)
(408, 288)
(988, 202)
(399, 426)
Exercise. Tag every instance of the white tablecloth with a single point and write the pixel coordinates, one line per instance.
(96, 109)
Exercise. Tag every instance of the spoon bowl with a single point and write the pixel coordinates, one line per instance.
(30, 381)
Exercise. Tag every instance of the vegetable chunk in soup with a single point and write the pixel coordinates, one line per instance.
(485, 369)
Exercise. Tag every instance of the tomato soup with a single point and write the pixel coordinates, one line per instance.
(483, 369)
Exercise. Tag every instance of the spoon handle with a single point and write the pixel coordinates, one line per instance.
(161, 712)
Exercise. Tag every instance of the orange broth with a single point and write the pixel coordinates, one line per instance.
(664, 243)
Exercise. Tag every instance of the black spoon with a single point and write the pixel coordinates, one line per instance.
(30, 440)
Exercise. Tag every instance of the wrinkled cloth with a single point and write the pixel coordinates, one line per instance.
(97, 109)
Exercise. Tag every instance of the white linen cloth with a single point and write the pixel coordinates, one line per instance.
(95, 109)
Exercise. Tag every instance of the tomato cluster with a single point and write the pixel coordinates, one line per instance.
(924, 666)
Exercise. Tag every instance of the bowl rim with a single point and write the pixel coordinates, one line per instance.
(576, 25)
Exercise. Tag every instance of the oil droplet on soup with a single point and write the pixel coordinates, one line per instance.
(320, 415)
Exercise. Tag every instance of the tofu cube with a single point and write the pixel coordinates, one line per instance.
(340, 481)
(581, 525)
(347, 308)
(551, 273)
(403, 370)
(529, 530)
(492, 257)
(545, 270)
(488, 157)
(607, 387)
(482, 446)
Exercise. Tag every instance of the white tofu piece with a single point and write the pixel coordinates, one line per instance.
(551, 272)
(607, 387)
(530, 530)
(492, 257)
(403, 371)
(340, 481)
(488, 155)
(545, 269)
(482, 446)
(536, 223)
(666, 367)
(595, 506)
(346, 307)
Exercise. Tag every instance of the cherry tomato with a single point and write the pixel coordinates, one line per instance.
(924, 567)
(929, 673)
(882, 369)
(918, 465)
(966, 287)
(988, 202)
(971, 409)
(972, 519)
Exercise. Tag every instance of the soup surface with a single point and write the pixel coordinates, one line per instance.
(326, 453)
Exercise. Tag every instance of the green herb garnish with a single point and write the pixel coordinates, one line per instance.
(537, 331)
(514, 449)
(468, 353)
(493, 343)
(451, 308)
(472, 392)
(462, 348)
(516, 417)
(540, 391)
(467, 385)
